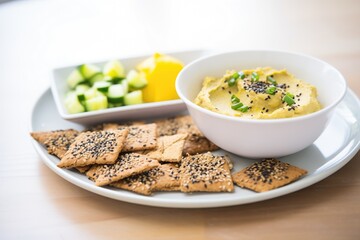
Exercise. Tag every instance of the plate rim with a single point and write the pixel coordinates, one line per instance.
(134, 198)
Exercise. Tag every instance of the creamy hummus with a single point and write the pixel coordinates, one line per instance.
(262, 93)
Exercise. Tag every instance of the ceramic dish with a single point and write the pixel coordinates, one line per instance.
(59, 88)
(261, 138)
(332, 150)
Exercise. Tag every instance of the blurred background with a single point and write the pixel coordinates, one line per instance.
(38, 35)
(34, 34)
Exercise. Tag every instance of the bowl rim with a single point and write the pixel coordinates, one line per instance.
(259, 121)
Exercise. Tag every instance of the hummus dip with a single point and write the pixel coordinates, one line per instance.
(261, 93)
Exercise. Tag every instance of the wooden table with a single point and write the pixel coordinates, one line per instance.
(36, 203)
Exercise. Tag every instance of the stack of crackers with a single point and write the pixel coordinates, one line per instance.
(165, 155)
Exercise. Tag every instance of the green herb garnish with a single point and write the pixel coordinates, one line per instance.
(271, 80)
(254, 77)
(236, 76)
(233, 79)
(231, 82)
(289, 99)
(242, 75)
(243, 109)
(237, 105)
(234, 99)
(271, 90)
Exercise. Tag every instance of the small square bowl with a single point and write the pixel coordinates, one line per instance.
(59, 88)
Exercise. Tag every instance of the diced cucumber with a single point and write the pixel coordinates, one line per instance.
(72, 103)
(113, 80)
(102, 86)
(136, 80)
(96, 103)
(114, 69)
(89, 70)
(94, 89)
(108, 79)
(116, 93)
(117, 80)
(92, 93)
(80, 91)
(75, 78)
(112, 105)
(125, 85)
(134, 97)
(97, 77)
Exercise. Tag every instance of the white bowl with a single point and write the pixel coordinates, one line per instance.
(261, 138)
(59, 88)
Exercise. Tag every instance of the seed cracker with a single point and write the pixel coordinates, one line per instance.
(83, 169)
(169, 180)
(127, 165)
(267, 174)
(141, 183)
(195, 143)
(56, 142)
(102, 147)
(169, 148)
(205, 173)
(165, 177)
(141, 137)
(175, 125)
(114, 126)
(108, 126)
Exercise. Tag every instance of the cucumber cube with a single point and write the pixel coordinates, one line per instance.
(75, 78)
(72, 103)
(136, 80)
(114, 69)
(96, 103)
(133, 98)
(89, 70)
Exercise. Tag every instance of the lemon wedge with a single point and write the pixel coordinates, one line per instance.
(160, 72)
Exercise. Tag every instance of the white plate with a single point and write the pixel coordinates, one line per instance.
(59, 89)
(331, 151)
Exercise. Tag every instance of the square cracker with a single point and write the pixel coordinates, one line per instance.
(175, 125)
(168, 178)
(102, 147)
(141, 183)
(205, 173)
(195, 142)
(169, 148)
(83, 169)
(165, 177)
(140, 137)
(127, 165)
(56, 142)
(267, 174)
(107, 126)
(113, 125)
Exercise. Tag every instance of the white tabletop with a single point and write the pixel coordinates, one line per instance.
(35, 36)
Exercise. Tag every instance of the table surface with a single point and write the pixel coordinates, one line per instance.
(36, 203)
